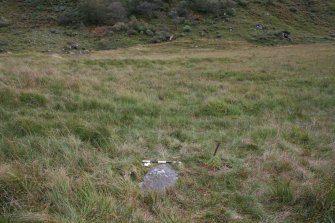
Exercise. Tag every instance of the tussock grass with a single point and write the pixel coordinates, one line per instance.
(74, 130)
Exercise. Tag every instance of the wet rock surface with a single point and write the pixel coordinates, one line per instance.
(159, 178)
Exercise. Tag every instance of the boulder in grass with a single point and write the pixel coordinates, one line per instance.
(159, 179)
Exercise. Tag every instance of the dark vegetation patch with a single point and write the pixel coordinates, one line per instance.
(238, 76)
(92, 12)
(8, 97)
(98, 136)
(219, 108)
(25, 126)
(33, 99)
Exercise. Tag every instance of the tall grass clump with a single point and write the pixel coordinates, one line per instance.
(282, 191)
(317, 200)
(219, 108)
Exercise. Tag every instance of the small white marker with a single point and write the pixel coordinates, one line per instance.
(149, 162)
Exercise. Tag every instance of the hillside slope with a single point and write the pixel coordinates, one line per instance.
(34, 25)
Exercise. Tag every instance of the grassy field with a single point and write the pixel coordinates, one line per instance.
(74, 130)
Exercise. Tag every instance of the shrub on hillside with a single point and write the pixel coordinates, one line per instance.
(187, 29)
(69, 17)
(215, 7)
(161, 36)
(182, 8)
(90, 11)
(265, 2)
(114, 12)
(138, 25)
(109, 12)
(149, 8)
(95, 12)
(242, 3)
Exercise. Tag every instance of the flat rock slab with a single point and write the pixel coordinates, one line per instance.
(159, 178)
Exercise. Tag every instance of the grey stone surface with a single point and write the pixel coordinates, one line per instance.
(159, 178)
